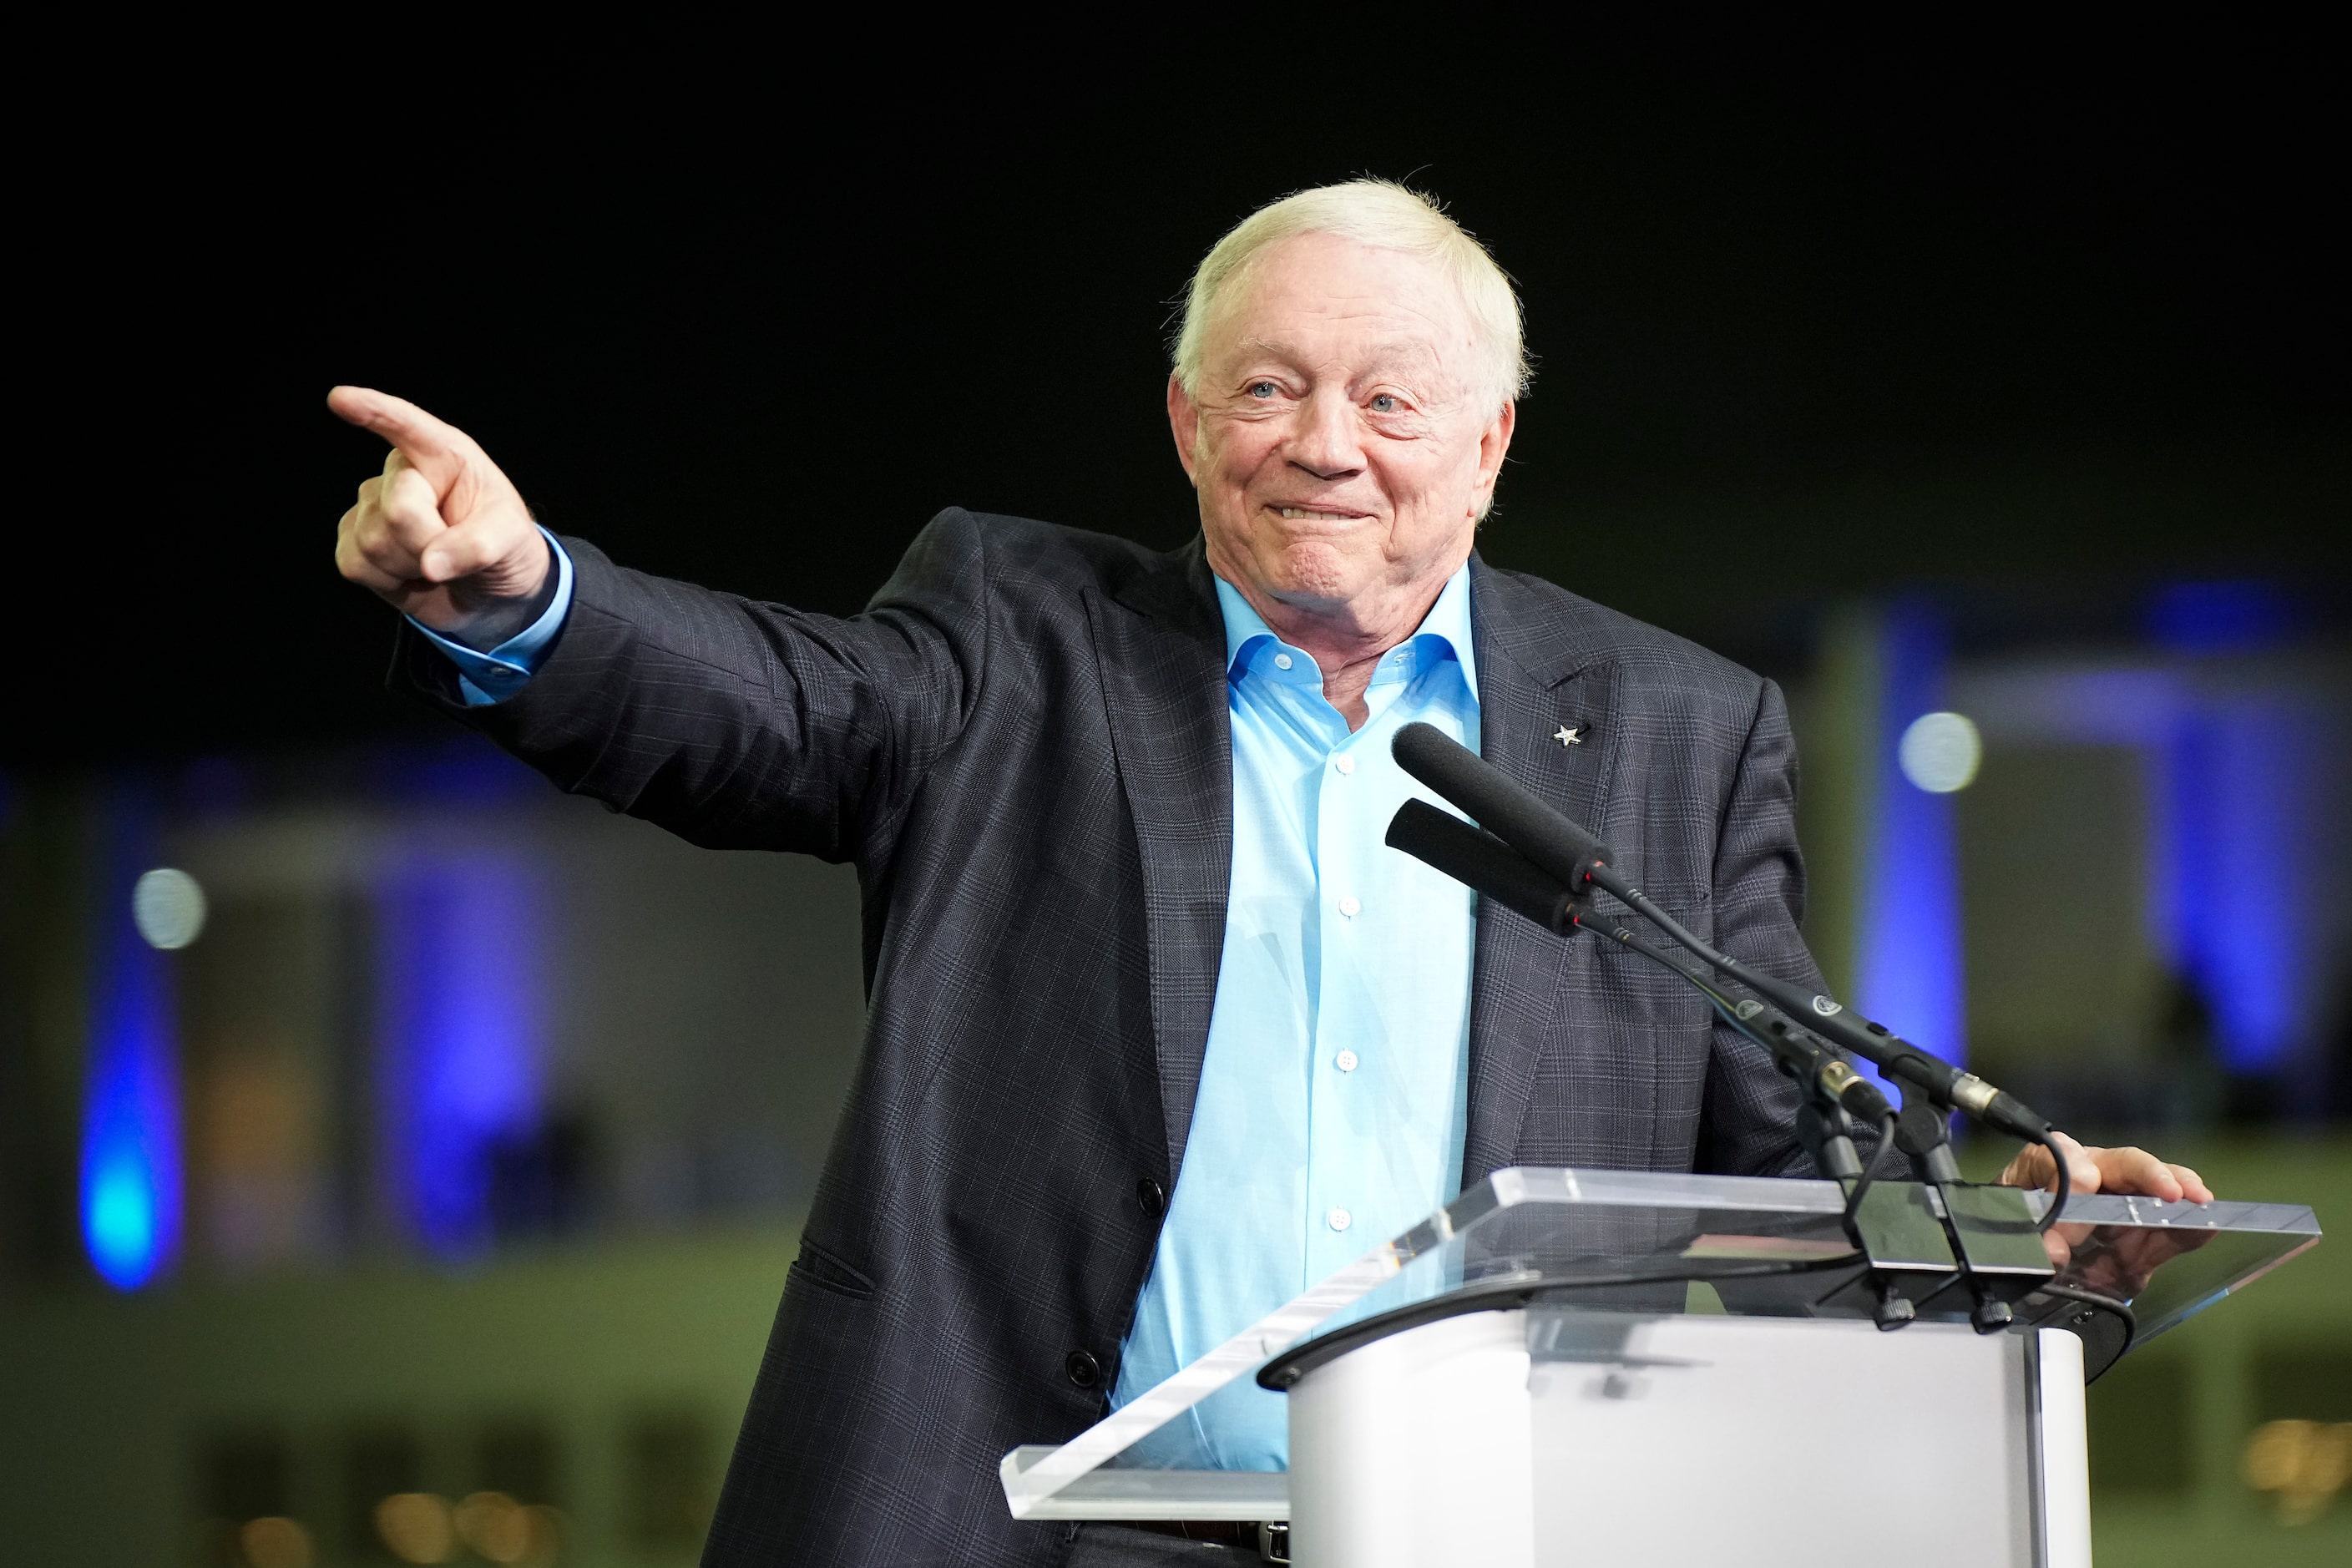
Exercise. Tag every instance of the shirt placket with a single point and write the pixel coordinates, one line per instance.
(1342, 1070)
(1331, 1172)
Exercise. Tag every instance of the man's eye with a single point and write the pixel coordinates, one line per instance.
(1384, 403)
(1261, 389)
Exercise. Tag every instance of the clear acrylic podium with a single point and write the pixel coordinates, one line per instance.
(1599, 1367)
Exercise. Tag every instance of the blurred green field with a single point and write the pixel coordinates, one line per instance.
(627, 1364)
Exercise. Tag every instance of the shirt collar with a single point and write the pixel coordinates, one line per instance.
(1443, 633)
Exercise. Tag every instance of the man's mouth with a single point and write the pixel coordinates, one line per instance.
(1303, 513)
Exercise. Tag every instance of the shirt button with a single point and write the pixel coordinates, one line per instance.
(1339, 1219)
(1282, 661)
(1083, 1370)
(1349, 906)
(1345, 1061)
(1345, 764)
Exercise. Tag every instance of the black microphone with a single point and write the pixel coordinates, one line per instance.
(1500, 804)
(1532, 826)
(1491, 867)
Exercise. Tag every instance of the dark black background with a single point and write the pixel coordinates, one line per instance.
(2039, 320)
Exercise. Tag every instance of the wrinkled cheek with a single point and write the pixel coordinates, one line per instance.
(1225, 513)
(1421, 528)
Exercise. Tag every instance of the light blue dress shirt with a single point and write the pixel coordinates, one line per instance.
(1334, 1096)
(484, 678)
(1335, 1091)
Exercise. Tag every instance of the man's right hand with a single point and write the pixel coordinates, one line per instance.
(441, 534)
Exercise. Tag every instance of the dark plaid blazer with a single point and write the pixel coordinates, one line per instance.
(1022, 746)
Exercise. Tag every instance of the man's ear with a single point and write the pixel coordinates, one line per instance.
(1494, 442)
(1184, 424)
(1494, 445)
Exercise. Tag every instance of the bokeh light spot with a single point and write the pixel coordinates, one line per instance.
(1940, 752)
(416, 1527)
(504, 1530)
(275, 1543)
(2301, 1464)
(168, 906)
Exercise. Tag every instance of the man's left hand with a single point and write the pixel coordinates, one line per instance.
(2120, 1261)
(2125, 1172)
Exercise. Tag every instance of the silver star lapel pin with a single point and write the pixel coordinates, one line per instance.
(1569, 734)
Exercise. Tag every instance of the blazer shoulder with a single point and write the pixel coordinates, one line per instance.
(1042, 573)
(1555, 633)
(1026, 557)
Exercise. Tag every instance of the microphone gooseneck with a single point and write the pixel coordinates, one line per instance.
(1495, 870)
(1578, 860)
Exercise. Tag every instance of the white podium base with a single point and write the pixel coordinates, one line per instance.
(1679, 1442)
(1529, 1440)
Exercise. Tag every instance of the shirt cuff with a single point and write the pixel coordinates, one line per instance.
(489, 677)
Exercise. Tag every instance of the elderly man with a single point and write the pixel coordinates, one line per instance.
(1159, 1033)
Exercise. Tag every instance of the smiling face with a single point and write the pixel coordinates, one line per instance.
(1340, 438)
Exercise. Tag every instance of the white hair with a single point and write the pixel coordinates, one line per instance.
(1388, 216)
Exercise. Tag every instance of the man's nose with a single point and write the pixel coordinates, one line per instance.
(1325, 441)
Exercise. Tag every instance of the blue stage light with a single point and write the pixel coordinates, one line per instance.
(460, 982)
(121, 1222)
(1908, 968)
(2254, 780)
(2222, 618)
(130, 1177)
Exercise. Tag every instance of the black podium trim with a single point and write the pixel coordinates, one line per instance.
(1284, 1372)
(2105, 1324)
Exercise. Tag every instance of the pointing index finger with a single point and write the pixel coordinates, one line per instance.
(433, 447)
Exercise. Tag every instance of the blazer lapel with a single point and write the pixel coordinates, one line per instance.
(1536, 675)
(1162, 644)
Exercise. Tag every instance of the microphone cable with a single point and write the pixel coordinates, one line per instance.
(1870, 1168)
(2066, 1184)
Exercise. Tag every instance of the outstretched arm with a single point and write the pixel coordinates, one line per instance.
(730, 723)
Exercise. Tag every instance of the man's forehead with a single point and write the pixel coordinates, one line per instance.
(1385, 353)
(1314, 295)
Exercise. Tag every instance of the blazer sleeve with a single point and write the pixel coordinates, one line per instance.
(1748, 1121)
(737, 724)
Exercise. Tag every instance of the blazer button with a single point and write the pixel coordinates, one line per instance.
(1150, 1197)
(1082, 1370)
